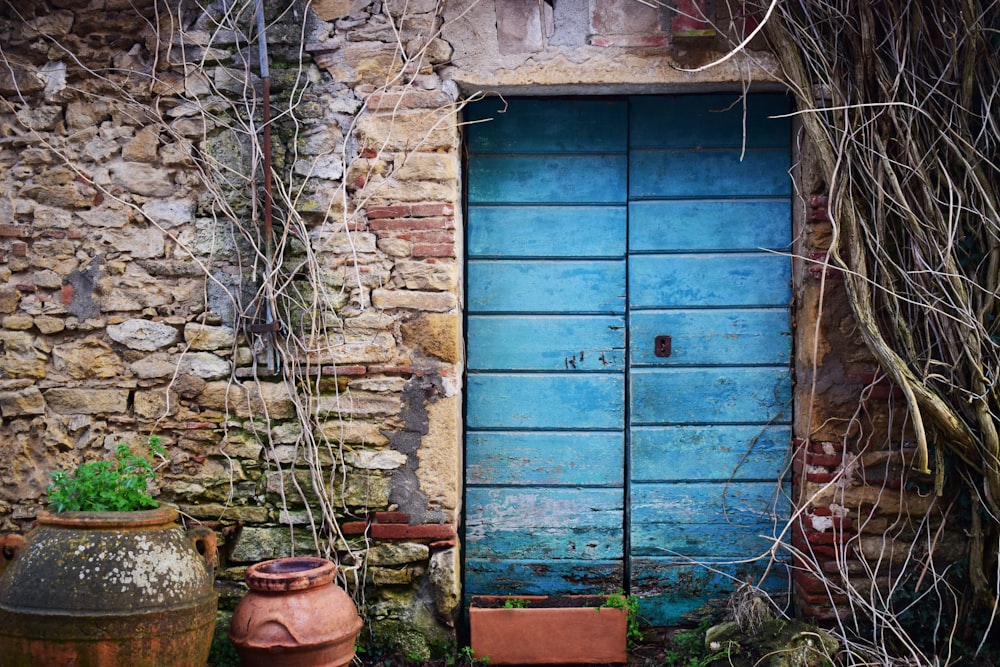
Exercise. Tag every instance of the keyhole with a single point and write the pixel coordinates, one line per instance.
(661, 346)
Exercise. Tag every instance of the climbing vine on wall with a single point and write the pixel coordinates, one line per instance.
(901, 102)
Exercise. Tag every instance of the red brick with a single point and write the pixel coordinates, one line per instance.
(432, 210)
(388, 212)
(354, 527)
(809, 582)
(410, 224)
(26, 287)
(55, 234)
(822, 612)
(818, 599)
(433, 250)
(439, 236)
(821, 447)
(824, 460)
(818, 201)
(630, 41)
(76, 233)
(67, 293)
(818, 214)
(15, 231)
(399, 531)
(19, 249)
(392, 517)
(394, 370)
(344, 370)
(442, 544)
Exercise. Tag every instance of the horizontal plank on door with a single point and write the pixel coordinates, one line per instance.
(546, 342)
(711, 337)
(709, 453)
(522, 125)
(546, 286)
(709, 224)
(544, 523)
(556, 179)
(655, 174)
(525, 458)
(720, 503)
(547, 231)
(711, 395)
(672, 590)
(711, 279)
(546, 401)
(709, 121)
(703, 540)
(543, 577)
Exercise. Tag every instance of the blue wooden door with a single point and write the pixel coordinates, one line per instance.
(628, 381)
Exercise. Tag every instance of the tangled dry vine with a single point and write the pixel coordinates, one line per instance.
(900, 100)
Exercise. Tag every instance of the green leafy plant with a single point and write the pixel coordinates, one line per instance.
(633, 634)
(515, 603)
(687, 647)
(464, 657)
(119, 485)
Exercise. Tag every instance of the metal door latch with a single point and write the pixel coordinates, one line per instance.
(661, 346)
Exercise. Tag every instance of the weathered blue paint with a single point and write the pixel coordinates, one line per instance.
(710, 173)
(537, 126)
(545, 401)
(709, 279)
(547, 342)
(719, 453)
(542, 577)
(670, 589)
(596, 179)
(546, 286)
(546, 458)
(706, 225)
(710, 395)
(703, 337)
(708, 121)
(542, 231)
(538, 523)
(596, 222)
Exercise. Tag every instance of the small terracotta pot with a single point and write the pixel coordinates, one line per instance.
(294, 616)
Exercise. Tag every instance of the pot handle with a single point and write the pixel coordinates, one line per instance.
(205, 542)
(10, 548)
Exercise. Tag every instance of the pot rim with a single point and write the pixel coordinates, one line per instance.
(293, 573)
(140, 518)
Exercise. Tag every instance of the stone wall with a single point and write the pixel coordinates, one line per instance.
(308, 386)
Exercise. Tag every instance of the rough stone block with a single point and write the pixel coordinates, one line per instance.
(87, 401)
(27, 401)
(402, 553)
(146, 335)
(435, 335)
(519, 26)
(207, 337)
(413, 300)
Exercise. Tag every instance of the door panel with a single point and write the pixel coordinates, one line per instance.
(716, 279)
(545, 458)
(545, 231)
(702, 337)
(546, 286)
(710, 395)
(690, 225)
(547, 342)
(548, 401)
(545, 402)
(597, 458)
(598, 179)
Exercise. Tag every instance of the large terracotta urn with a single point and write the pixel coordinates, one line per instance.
(105, 589)
(295, 616)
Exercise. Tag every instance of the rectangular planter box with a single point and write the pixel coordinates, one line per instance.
(577, 630)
